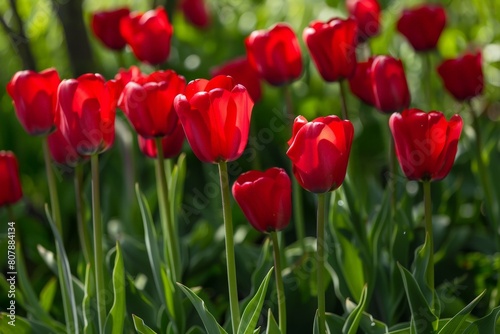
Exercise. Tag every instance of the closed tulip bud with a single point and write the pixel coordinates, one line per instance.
(367, 16)
(34, 96)
(361, 83)
(463, 76)
(148, 34)
(215, 116)
(422, 26)
(171, 144)
(243, 73)
(275, 54)
(426, 143)
(196, 12)
(106, 27)
(62, 152)
(86, 106)
(148, 103)
(319, 151)
(265, 198)
(332, 46)
(390, 88)
(10, 185)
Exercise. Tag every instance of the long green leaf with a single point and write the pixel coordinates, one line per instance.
(454, 325)
(252, 311)
(272, 325)
(116, 317)
(141, 327)
(88, 313)
(420, 310)
(486, 324)
(352, 323)
(48, 293)
(334, 323)
(422, 258)
(65, 276)
(207, 318)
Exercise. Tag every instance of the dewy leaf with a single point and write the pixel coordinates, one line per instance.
(208, 319)
(422, 316)
(486, 324)
(454, 325)
(352, 323)
(141, 327)
(272, 325)
(252, 311)
(116, 316)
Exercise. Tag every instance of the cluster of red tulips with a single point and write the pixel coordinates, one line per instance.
(76, 119)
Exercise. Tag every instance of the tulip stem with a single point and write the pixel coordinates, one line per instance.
(54, 199)
(229, 237)
(298, 212)
(170, 241)
(10, 213)
(343, 100)
(279, 283)
(321, 262)
(83, 232)
(484, 178)
(98, 251)
(428, 83)
(429, 238)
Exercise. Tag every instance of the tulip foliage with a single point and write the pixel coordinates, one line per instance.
(250, 167)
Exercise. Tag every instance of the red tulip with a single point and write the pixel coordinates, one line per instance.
(367, 16)
(319, 151)
(215, 116)
(87, 109)
(265, 198)
(196, 12)
(361, 82)
(332, 46)
(390, 88)
(422, 26)
(148, 34)
(34, 97)
(62, 152)
(463, 76)
(275, 54)
(426, 143)
(243, 73)
(148, 103)
(10, 185)
(106, 27)
(171, 144)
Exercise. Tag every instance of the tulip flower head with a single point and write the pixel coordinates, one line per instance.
(171, 144)
(367, 16)
(10, 185)
(34, 96)
(463, 76)
(86, 107)
(196, 12)
(426, 143)
(275, 54)
(215, 116)
(265, 198)
(332, 46)
(319, 151)
(106, 27)
(148, 103)
(62, 152)
(242, 73)
(148, 34)
(422, 26)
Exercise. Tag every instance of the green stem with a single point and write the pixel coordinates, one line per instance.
(170, 241)
(343, 99)
(321, 262)
(98, 251)
(428, 81)
(392, 177)
(10, 213)
(54, 199)
(429, 238)
(298, 212)
(83, 232)
(230, 262)
(279, 283)
(484, 178)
